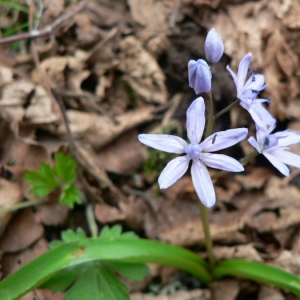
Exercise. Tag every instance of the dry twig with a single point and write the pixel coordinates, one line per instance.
(49, 28)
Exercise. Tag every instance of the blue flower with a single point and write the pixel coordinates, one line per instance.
(248, 90)
(199, 76)
(198, 152)
(214, 47)
(274, 147)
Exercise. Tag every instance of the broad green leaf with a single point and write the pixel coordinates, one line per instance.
(259, 272)
(70, 195)
(97, 283)
(130, 271)
(136, 251)
(65, 167)
(64, 279)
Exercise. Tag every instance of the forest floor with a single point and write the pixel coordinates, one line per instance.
(120, 68)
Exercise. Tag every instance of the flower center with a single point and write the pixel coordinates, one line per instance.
(270, 141)
(193, 150)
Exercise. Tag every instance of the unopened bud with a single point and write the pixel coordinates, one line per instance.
(214, 47)
(199, 76)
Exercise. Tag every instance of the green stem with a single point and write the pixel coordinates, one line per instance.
(210, 117)
(207, 235)
(22, 205)
(203, 209)
(226, 109)
(91, 220)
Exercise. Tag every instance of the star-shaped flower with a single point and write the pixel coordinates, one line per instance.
(274, 147)
(248, 90)
(198, 152)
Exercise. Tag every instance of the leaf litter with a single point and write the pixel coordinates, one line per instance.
(117, 65)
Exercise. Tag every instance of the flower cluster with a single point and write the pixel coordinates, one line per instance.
(272, 146)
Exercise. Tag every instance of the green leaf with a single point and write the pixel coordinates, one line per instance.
(97, 283)
(69, 236)
(80, 252)
(130, 271)
(64, 279)
(115, 232)
(259, 272)
(44, 180)
(65, 167)
(70, 195)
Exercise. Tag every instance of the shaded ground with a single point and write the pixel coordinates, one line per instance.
(121, 69)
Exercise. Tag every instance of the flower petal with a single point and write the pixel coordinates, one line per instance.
(261, 116)
(224, 139)
(164, 142)
(203, 184)
(195, 120)
(277, 163)
(233, 76)
(173, 171)
(287, 158)
(252, 141)
(243, 70)
(287, 137)
(222, 162)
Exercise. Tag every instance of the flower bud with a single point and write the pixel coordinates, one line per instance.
(214, 47)
(199, 76)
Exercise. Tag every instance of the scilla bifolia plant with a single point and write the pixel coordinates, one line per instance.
(86, 268)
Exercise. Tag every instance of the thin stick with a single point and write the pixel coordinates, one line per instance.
(48, 29)
(226, 109)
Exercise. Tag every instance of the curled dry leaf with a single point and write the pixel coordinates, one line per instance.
(151, 16)
(15, 93)
(10, 194)
(40, 110)
(97, 130)
(57, 69)
(141, 71)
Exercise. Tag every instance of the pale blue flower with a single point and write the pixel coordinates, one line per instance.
(199, 76)
(198, 152)
(248, 90)
(274, 147)
(214, 47)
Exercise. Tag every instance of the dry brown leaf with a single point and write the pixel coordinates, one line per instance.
(42, 294)
(10, 194)
(256, 179)
(106, 214)
(247, 252)
(282, 194)
(52, 214)
(57, 69)
(225, 289)
(152, 16)
(97, 130)
(12, 262)
(40, 110)
(22, 231)
(182, 295)
(6, 75)
(269, 293)
(288, 261)
(124, 155)
(141, 71)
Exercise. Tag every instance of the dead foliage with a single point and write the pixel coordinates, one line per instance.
(120, 68)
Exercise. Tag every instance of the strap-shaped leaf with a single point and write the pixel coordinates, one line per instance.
(259, 272)
(86, 250)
